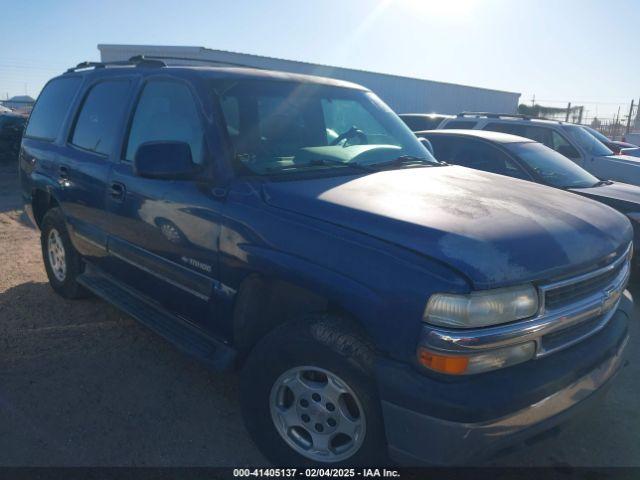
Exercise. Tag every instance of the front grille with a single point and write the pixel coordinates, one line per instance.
(567, 294)
(555, 340)
(559, 297)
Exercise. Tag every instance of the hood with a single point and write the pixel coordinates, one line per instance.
(621, 196)
(494, 229)
(633, 151)
(624, 159)
(624, 144)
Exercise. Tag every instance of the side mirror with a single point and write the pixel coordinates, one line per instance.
(568, 151)
(165, 160)
(427, 144)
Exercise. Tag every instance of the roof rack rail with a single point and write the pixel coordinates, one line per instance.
(189, 59)
(494, 115)
(137, 61)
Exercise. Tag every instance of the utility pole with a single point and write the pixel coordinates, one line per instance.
(629, 118)
(533, 100)
(566, 119)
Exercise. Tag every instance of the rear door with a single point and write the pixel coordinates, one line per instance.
(163, 234)
(84, 165)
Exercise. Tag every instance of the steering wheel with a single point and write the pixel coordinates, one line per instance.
(349, 134)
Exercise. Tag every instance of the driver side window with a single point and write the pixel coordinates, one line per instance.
(482, 156)
(562, 146)
(166, 111)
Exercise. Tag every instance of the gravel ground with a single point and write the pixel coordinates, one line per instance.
(82, 384)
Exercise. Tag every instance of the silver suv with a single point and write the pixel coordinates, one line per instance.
(572, 141)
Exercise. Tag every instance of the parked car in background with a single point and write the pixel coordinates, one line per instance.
(526, 159)
(568, 139)
(11, 128)
(377, 302)
(613, 145)
(423, 121)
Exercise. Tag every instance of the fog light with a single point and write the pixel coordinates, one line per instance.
(476, 363)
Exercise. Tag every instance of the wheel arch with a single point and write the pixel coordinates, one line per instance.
(41, 202)
(264, 303)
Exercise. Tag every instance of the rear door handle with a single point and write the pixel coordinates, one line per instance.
(117, 191)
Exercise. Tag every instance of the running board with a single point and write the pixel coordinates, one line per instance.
(184, 335)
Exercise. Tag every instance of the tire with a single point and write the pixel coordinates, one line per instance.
(328, 356)
(64, 263)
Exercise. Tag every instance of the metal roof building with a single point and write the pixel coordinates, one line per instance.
(403, 94)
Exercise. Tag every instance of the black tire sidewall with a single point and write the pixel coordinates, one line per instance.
(69, 288)
(295, 346)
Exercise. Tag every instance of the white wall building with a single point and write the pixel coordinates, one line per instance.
(403, 94)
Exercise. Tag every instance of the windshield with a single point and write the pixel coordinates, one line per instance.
(597, 134)
(587, 141)
(553, 168)
(280, 127)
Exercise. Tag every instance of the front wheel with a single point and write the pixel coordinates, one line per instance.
(61, 260)
(309, 398)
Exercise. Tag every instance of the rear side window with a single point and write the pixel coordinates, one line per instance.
(463, 124)
(101, 113)
(546, 136)
(510, 128)
(166, 112)
(52, 107)
(482, 156)
(443, 147)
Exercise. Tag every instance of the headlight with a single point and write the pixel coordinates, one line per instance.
(482, 308)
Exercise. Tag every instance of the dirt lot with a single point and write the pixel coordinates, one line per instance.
(83, 384)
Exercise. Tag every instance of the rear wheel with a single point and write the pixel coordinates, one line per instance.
(309, 398)
(61, 260)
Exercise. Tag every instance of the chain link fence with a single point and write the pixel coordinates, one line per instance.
(626, 122)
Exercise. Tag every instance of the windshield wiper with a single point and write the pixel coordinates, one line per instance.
(322, 162)
(331, 161)
(406, 161)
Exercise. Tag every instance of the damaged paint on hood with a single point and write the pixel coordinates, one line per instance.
(494, 229)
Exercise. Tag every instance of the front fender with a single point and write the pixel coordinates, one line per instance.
(357, 299)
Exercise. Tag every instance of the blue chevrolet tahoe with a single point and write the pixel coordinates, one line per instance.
(379, 304)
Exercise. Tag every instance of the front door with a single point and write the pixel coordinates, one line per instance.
(164, 233)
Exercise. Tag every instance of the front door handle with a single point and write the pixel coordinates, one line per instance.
(117, 191)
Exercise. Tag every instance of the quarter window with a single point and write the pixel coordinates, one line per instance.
(100, 116)
(166, 112)
(51, 108)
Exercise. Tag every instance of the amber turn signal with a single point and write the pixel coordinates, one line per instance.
(450, 364)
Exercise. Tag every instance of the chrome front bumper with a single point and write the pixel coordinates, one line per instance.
(567, 325)
(416, 439)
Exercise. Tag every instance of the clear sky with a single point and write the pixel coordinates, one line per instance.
(583, 51)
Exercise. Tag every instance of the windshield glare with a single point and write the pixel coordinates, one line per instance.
(587, 141)
(280, 127)
(553, 168)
